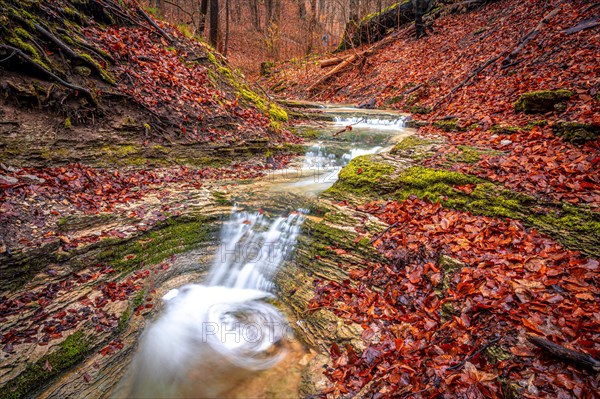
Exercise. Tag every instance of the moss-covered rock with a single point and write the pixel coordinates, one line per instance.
(448, 125)
(265, 68)
(174, 236)
(575, 132)
(364, 175)
(71, 351)
(542, 101)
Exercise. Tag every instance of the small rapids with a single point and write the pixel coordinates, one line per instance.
(371, 122)
(212, 337)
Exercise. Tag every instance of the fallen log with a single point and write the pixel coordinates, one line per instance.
(335, 70)
(529, 36)
(560, 352)
(332, 61)
(587, 24)
(374, 27)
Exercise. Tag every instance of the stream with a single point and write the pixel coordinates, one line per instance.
(212, 337)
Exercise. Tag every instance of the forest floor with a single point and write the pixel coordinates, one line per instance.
(492, 207)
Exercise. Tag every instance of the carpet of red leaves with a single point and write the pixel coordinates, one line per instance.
(512, 282)
(459, 44)
(169, 80)
(535, 162)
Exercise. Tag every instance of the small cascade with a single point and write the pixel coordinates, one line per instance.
(252, 249)
(210, 338)
(371, 122)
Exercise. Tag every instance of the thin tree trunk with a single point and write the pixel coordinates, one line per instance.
(203, 12)
(312, 26)
(213, 29)
(419, 10)
(226, 47)
(255, 14)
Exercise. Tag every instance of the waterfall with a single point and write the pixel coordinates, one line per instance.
(212, 337)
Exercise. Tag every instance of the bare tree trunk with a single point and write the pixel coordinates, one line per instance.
(312, 26)
(301, 9)
(160, 5)
(238, 11)
(213, 29)
(203, 12)
(255, 14)
(419, 10)
(226, 47)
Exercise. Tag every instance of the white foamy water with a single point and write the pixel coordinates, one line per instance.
(371, 123)
(212, 337)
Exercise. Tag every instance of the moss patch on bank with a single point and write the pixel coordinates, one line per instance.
(174, 236)
(272, 110)
(71, 351)
(574, 227)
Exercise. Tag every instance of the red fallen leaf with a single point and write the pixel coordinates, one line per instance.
(398, 343)
(522, 351)
(531, 326)
(47, 366)
(335, 351)
(359, 171)
(467, 189)
(394, 378)
(87, 378)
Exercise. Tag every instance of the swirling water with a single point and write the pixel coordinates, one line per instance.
(212, 337)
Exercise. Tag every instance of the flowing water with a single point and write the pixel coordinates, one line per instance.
(213, 336)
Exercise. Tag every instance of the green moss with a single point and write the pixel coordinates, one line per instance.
(174, 236)
(277, 113)
(221, 198)
(22, 33)
(542, 101)
(362, 174)
(185, 30)
(369, 17)
(409, 143)
(467, 154)
(448, 126)
(532, 124)
(71, 351)
(505, 129)
(496, 354)
(137, 300)
(447, 310)
(395, 99)
(418, 109)
(254, 98)
(127, 154)
(108, 78)
(575, 132)
(29, 50)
